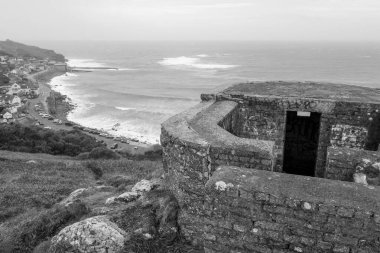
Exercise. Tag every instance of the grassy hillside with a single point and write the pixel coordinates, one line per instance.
(13, 48)
(33, 139)
(30, 189)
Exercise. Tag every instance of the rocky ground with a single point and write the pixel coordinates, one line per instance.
(115, 211)
(141, 219)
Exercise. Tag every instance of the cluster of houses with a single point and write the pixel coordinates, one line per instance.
(15, 85)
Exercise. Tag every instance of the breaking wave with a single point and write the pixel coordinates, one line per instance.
(85, 63)
(124, 108)
(194, 62)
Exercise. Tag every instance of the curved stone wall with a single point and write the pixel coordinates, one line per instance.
(251, 207)
(195, 143)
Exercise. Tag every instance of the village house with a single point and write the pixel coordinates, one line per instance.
(4, 89)
(7, 116)
(14, 89)
(12, 60)
(16, 101)
(10, 100)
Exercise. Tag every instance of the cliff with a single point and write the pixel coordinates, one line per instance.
(13, 48)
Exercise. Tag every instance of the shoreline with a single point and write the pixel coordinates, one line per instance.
(63, 108)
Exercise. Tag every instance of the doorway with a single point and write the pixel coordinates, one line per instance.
(301, 142)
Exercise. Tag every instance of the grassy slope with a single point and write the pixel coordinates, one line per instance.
(27, 187)
(28, 192)
(18, 49)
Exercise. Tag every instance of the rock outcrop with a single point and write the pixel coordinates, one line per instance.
(84, 192)
(137, 190)
(120, 222)
(97, 235)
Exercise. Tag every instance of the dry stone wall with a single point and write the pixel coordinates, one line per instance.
(348, 136)
(194, 146)
(258, 211)
(343, 162)
(264, 118)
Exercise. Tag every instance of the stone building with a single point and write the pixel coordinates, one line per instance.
(269, 167)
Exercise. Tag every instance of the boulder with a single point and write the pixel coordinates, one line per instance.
(137, 190)
(110, 200)
(96, 234)
(128, 196)
(360, 178)
(74, 196)
(84, 192)
(145, 185)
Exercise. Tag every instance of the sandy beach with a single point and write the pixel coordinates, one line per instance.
(61, 110)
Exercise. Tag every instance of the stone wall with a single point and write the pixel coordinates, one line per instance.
(264, 118)
(230, 121)
(259, 211)
(190, 158)
(343, 162)
(252, 208)
(348, 136)
(46, 73)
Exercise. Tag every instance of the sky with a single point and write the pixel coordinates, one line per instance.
(119, 20)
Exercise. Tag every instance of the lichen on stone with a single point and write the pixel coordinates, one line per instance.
(96, 234)
(222, 186)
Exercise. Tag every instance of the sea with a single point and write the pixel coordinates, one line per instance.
(158, 79)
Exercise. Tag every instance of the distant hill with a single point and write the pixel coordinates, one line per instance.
(13, 48)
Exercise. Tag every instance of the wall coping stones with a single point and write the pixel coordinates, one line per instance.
(198, 126)
(178, 127)
(308, 189)
(207, 122)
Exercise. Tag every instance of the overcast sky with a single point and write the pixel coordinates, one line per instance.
(342, 20)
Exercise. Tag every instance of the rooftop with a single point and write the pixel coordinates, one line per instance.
(312, 90)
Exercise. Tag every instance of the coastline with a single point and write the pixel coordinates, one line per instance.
(62, 107)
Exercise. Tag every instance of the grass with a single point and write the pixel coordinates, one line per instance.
(29, 192)
(25, 186)
(36, 186)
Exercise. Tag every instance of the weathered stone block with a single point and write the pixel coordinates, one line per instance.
(341, 249)
(346, 212)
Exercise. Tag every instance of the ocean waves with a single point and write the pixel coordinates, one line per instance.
(100, 106)
(85, 63)
(93, 65)
(140, 94)
(124, 108)
(194, 62)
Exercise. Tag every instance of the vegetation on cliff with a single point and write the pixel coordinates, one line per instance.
(16, 49)
(34, 139)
